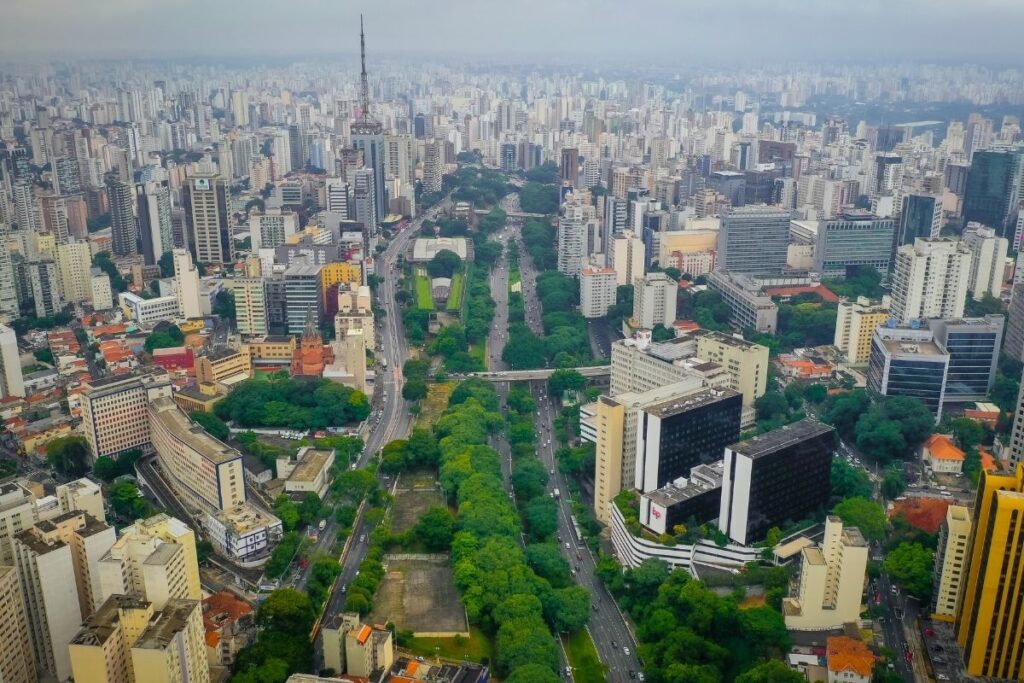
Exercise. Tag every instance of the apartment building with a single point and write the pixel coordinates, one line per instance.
(12, 381)
(856, 322)
(951, 561)
(988, 260)
(654, 300)
(749, 305)
(148, 312)
(250, 305)
(597, 291)
(17, 664)
(831, 581)
(930, 280)
(114, 412)
(222, 364)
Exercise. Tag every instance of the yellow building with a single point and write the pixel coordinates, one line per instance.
(746, 362)
(609, 421)
(686, 242)
(221, 364)
(856, 322)
(336, 273)
(192, 326)
(16, 663)
(989, 618)
(356, 649)
(950, 559)
(270, 350)
(201, 399)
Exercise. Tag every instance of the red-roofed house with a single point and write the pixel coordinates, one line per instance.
(942, 455)
(849, 660)
(230, 625)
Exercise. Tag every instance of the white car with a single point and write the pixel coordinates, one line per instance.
(625, 650)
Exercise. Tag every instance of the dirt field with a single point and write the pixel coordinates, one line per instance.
(417, 492)
(420, 595)
(435, 403)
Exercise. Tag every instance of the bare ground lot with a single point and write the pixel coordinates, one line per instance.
(419, 595)
(415, 494)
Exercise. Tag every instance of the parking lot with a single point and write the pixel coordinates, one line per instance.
(942, 654)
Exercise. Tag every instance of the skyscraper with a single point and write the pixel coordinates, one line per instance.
(852, 240)
(571, 227)
(754, 240)
(921, 217)
(368, 137)
(186, 284)
(654, 300)
(124, 233)
(206, 214)
(155, 229)
(570, 167)
(930, 280)
(992, 188)
(988, 261)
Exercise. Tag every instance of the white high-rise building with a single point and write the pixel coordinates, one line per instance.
(627, 253)
(273, 228)
(337, 197)
(571, 229)
(11, 381)
(432, 168)
(186, 284)
(654, 300)
(74, 265)
(988, 260)
(100, 291)
(8, 290)
(597, 291)
(930, 280)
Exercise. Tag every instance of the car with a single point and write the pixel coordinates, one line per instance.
(552, 471)
(567, 545)
(344, 587)
(632, 674)
(625, 650)
(942, 677)
(613, 644)
(362, 538)
(639, 675)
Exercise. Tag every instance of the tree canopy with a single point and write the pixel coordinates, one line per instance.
(293, 404)
(444, 264)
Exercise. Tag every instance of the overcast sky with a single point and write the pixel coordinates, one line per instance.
(706, 30)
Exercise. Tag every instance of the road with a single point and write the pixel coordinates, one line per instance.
(902, 612)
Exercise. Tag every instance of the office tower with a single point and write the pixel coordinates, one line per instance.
(950, 561)
(654, 300)
(66, 176)
(774, 477)
(921, 216)
(240, 107)
(1015, 323)
(616, 217)
(888, 175)
(852, 240)
(100, 293)
(17, 663)
(988, 621)
(273, 228)
(338, 201)
(973, 346)
(432, 168)
(400, 167)
(186, 284)
(754, 239)
(570, 166)
(295, 144)
(597, 291)
(992, 188)
(730, 184)
(250, 306)
(748, 304)
(831, 581)
(114, 412)
(74, 265)
(687, 430)
(855, 326)
(571, 226)
(11, 381)
(908, 362)
(303, 296)
(155, 227)
(419, 126)
(128, 639)
(930, 280)
(54, 561)
(988, 261)
(507, 157)
(204, 198)
(615, 437)
(155, 560)
(627, 254)
(124, 233)
(364, 199)
(44, 284)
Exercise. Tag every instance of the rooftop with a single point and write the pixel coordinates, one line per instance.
(104, 621)
(190, 433)
(311, 464)
(167, 623)
(708, 478)
(849, 654)
(697, 399)
(776, 440)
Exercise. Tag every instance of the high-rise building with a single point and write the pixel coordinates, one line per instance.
(852, 240)
(921, 216)
(973, 346)
(571, 228)
(831, 581)
(74, 266)
(17, 513)
(1015, 323)
(855, 326)
(748, 304)
(368, 137)
(357, 649)
(114, 412)
(774, 477)
(627, 256)
(754, 239)
(44, 285)
(204, 198)
(988, 261)
(570, 166)
(303, 296)
(100, 291)
(124, 232)
(992, 187)
(8, 287)
(989, 620)
(930, 280)
(250, 306)
(908, 362)
(951, 561)
(432, 168)
(155, 227)
(338, 201)
(654, 300)
(597, 291)
(186, 284)
(364, 199)
(17, 663)
(274, 227)
(11, 380)
(54, 212)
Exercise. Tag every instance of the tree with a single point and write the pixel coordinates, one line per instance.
(563, 380)
(864, 514)
(568, 609)
(533, 673)
(224, 306)
(893, 483)
(69, 455)
(287, 511)
(966, 432)
(414, 390)
(912, 566)
(541, 516)
(287, 611)
(436, 528)
(444, 264)
(849, 481)
(212, 424)
(547, 561)
(771, 671)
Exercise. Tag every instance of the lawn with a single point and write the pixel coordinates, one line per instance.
(423, 299)
(455, 295)
(435, 403)
(586, 665)
(477, 648)
(479, 351)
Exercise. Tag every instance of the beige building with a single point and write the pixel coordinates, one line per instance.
(154, 559)
(81, 494)
(356, 649)
(686, 242)
(114, 415)
(250, 305)
(951, 561)
(186, 284)
(654, 300)
(129, 641)
(930, 280)
(99, 287)
(308, 472)
(16, 662)
(855, 324)
(17, 513)
(746, 362)
(627, 253)
(223, 364)
(831, 581)
(270, 350)
(74, 265)
(597, 291)
(988, 260)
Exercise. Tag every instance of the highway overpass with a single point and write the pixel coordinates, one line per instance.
(590, 372)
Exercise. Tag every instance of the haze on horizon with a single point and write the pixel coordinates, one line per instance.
(691, 30)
